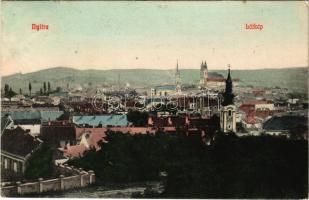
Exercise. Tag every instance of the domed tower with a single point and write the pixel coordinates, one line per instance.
(228, 109)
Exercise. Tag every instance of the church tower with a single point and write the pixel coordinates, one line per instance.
(203, 75)
(228, 109)
(177, 79)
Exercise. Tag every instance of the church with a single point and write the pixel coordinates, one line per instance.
(211, 81)
(228, 109)
(167, 90)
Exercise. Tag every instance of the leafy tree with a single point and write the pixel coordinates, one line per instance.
(41, 91)
(6, 89)
(40, 164)
(10, 93)
(138, 118)
(48, 87)
(20, 91)
(44, 87)
(232, 167)
(30, 88)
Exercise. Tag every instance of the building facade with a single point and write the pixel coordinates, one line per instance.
(17, 146)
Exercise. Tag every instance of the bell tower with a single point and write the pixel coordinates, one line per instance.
(228, 109)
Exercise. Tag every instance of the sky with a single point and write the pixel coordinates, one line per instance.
(153, 35)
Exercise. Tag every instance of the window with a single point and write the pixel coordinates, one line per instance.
(230, 113)
(5, 163)
(15, 166)
(62, 143)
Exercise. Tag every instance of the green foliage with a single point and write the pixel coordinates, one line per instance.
(127, 158)
(8, 92)
(44, 87)
(40, 165)
(138, 118)
(248, 167)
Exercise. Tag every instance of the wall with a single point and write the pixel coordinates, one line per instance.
(80, 178)
(34, 129)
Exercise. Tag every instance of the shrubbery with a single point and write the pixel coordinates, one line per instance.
(248, 167)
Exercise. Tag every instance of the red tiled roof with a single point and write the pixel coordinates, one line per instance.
(254, 102)
(250, 119)
(216, 79)
(75, 151)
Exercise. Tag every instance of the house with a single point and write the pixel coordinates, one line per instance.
(42, 100)
(58, 133)
(18, 98)
(252, 124)
(288, 125)
(163, 90)
(31, 120)
(75, 98)
(88, 138)
(6, 123)
(61, 94)
(260, 104)
(17, 146)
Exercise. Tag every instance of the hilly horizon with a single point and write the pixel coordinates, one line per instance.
(292, 78)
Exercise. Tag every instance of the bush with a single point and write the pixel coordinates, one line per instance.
(40, 164)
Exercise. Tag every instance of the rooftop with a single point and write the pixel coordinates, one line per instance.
(104, 120)
(18, 137)
(165, 87)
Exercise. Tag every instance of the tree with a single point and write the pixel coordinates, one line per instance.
(20, 91)
(138, 119)
(10, 93)
(44, 87)
(41, 91)
(6, 89)
(48, 87)
(40, 164)
(30, 88)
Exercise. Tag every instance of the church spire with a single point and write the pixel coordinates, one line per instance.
(177, 68)
(229, 73)
(228, 94)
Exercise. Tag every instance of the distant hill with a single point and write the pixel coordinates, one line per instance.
(292, 78)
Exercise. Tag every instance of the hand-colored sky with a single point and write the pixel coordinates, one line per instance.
(107, 35)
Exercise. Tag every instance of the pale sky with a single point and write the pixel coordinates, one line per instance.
(114, 35)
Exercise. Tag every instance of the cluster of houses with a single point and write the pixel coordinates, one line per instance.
(73, 122)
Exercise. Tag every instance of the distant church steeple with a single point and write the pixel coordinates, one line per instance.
(177, 79)
(177, 69)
